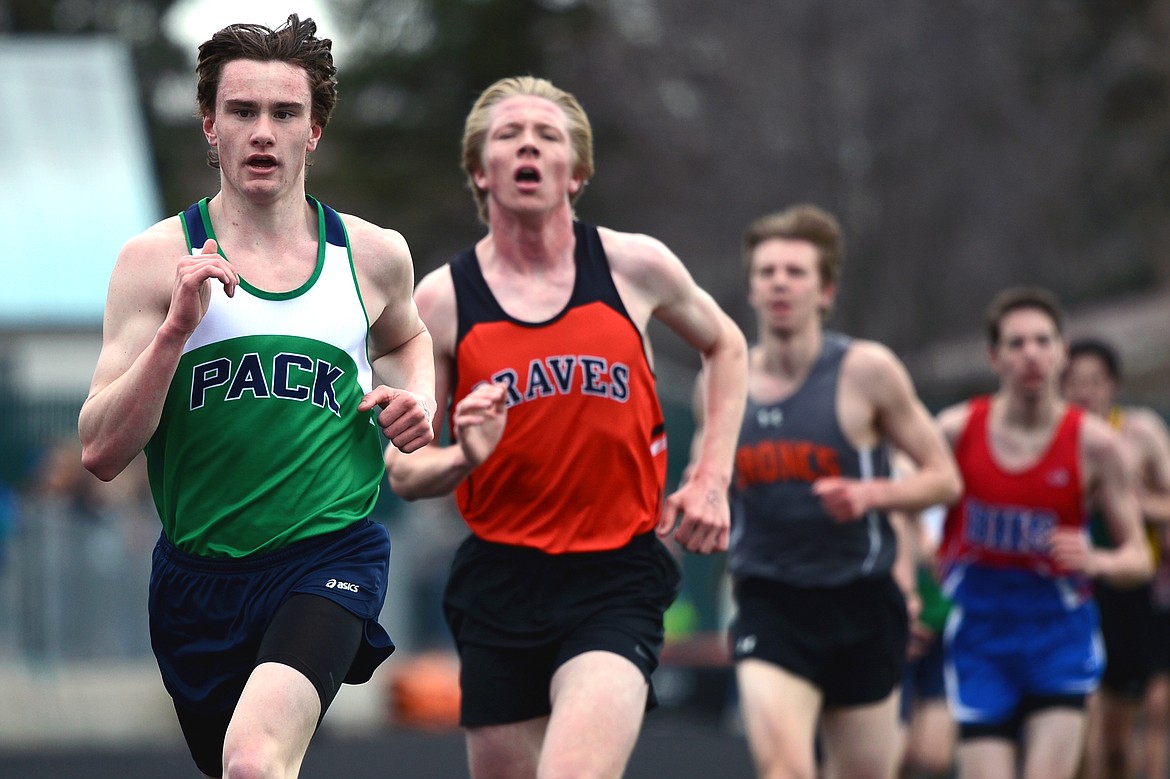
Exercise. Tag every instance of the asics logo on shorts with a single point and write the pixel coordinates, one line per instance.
(745, 646)
(334, 584)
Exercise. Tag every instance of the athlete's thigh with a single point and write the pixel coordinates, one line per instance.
(780, 712)
(598, 701)
(861, 742)
(932, 736)
(1052, 740)
(275, 717)
(1155, 703)
(986, 758)
(509, 751)
(1113, 718)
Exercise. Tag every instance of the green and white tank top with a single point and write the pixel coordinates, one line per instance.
(260, 443)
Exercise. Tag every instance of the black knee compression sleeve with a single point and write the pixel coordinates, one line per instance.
(317, 637)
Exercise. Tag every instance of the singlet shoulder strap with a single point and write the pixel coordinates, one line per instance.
(834, 345)
(330, 223)
(594, 279)
(474, 301)
(594, 282)
(1069, 429)
(196, 226)
(974, 430)
(594, 276)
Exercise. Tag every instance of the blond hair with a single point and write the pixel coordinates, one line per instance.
(479, 120)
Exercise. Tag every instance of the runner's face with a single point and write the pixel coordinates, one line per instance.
(262, 127)
(1087, 383)
(528, 157)
(1030, 354)
(784, 286)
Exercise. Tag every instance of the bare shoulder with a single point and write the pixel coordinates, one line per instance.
(164, 237)
(952, 419)
(873, 369)
(637, 255)
(623, 247)
(382, 262)
(1099, 439)
(147, 260)
(436, 292)
(140, 291)
(374, 245)
(643, 263)
(1144, 423)
(435, 298)
(872, 360)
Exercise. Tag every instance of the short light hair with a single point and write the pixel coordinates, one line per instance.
(802, 222)
(479, 120)
(1016, 298)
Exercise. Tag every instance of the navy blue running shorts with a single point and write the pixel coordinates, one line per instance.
(208, 615)
(923, 680)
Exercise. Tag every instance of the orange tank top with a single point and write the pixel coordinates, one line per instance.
(582, 462)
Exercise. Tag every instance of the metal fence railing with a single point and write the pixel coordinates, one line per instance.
(73, 582)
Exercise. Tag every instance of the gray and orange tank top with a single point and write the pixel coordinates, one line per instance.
(779, 530)
(260, 443)
(582, 462)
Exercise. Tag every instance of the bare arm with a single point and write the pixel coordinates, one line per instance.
(157, 296)
(882, 387)
(477, 422)
(701, 500)
(909, 532)
(1111, 486)
(1150, 435)
(905, 570)
(654, 282)
(399, 344)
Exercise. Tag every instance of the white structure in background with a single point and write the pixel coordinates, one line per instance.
(76, 182)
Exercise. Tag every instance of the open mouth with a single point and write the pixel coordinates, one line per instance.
(262, 161)
(528, 175)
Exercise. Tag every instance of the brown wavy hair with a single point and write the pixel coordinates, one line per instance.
(295, 42)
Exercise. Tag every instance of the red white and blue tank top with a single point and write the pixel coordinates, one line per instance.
(995, 540)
